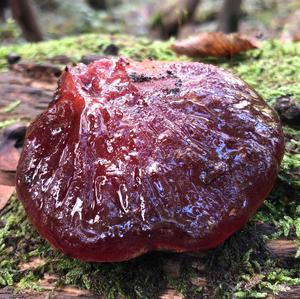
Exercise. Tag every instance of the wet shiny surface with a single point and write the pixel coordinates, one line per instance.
(132, 157)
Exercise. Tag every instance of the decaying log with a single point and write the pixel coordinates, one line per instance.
(38, 71)
(34, 95)
(283, 249)
(65, 293)
(291, 292)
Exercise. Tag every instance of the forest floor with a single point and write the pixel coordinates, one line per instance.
(59, 18)
(261, 261)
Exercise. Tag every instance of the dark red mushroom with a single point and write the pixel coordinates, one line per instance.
(139, 156)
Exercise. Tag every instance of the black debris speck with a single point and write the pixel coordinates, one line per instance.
(135, 77)
(13, 58)
(288, 109)
(111, 49)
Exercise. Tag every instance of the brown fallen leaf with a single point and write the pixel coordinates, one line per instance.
(7, 186)
(5, 194)
(215, 44)
(9, 156)
(10, 138)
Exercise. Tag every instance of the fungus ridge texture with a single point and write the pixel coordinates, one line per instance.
(138, 156)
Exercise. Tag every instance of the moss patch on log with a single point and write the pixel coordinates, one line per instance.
(76, 47)
(240, 267)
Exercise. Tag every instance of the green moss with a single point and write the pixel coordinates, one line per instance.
(183, 283)
(253, 294)
(16, 239)
(290, 169)
(29, 281)
(273, 70)
(240, 267)
(76, 47)
(139, 278)
(8, 122)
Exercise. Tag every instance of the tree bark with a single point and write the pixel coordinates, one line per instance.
(3, 6)
(24, 13)
(283, 249)
(97, 4)
(172, 16)
(229, 16)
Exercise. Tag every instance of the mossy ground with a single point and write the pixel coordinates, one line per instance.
(240, 267)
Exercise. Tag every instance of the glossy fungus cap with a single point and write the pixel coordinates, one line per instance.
(137, 156)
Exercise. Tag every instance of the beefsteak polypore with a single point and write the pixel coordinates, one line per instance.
(138, 156)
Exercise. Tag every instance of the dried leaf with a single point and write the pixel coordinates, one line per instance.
(215, 44)
(7, 186)
(10, 138)
(5, 194)
(9, 156)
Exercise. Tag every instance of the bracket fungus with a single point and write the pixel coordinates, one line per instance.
(138, 156)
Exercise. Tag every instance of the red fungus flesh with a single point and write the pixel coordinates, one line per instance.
(138, 156)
